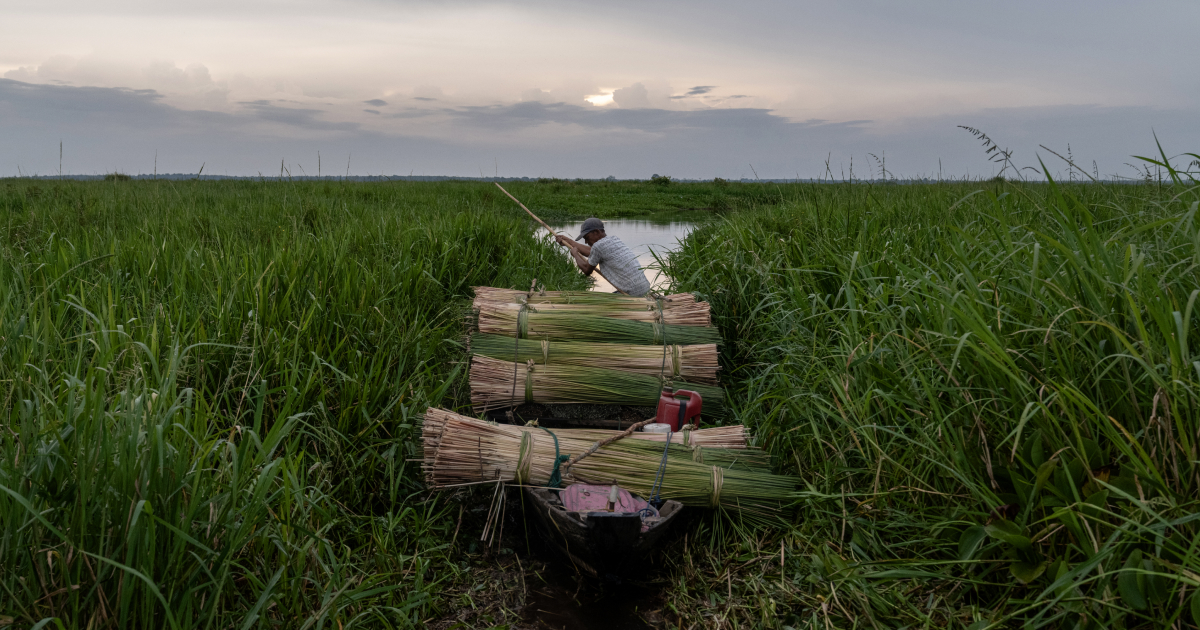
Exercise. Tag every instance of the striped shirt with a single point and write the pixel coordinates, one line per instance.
(620, 266)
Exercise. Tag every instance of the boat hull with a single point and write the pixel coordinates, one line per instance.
(601, 544)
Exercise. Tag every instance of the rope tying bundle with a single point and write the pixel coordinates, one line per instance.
(660, 329)
(516, 349)
(523, 322)
(529, 380)
(524, 461)
(555, 475)
(662, 471)
(718, 480)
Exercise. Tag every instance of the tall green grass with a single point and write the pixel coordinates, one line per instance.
(209, 393)
(991, 390)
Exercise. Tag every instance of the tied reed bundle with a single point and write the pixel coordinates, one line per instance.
(678, 312)
(730, 437)
(694, 364)
(525, 323)
(513, 296)
(496, 383)
(460, 450)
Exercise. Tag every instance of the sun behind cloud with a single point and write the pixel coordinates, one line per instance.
(605, 97)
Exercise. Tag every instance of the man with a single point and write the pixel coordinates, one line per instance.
(620, 264)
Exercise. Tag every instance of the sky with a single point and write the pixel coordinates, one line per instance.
(568, 88)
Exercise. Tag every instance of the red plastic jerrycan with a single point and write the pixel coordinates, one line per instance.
(678, 407)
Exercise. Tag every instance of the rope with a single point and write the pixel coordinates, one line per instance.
(529, 381)
(524, 461)
(555, 476)
(512, 397)
(662, 469)
(608, 441)
(718, 480)
(523, 322)
(660, 323)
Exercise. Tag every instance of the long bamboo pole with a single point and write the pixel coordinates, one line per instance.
(551, 230)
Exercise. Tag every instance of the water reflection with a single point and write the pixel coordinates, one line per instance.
(644, 237)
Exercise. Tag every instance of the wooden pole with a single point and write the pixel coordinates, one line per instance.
(551, 230)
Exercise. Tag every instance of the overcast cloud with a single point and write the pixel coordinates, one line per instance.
(574, 89)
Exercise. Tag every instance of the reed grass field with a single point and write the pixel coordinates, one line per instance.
(211, 396)
(993, 393)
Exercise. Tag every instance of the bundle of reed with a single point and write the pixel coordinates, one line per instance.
(732, 440)
(460, 450)
(694, 364)
(729, 459)
(496, 383)
(512, 296)
(723, 438)
(695, 314)
(744, 459)
(516, 321)
(634, 466)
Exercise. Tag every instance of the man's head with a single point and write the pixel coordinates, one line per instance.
(592, 231)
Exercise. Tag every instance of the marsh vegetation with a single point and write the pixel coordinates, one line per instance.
(211, 391)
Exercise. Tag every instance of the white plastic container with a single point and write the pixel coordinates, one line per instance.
(657, 427)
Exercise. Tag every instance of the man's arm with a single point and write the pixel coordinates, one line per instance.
(582, 262)
(579, 253)
(566, 241)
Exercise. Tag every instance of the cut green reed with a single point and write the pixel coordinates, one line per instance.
(461, 450)
(991, 392)
(594, 299)
(496, 384)
(529, 324)
(680, 309)
(210, 391)
(694, 364)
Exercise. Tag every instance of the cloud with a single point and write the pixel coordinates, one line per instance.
(165, 75)
(696, 91)
(301, 117)
(634, 96)
(375, 102)
(537, 94)
(532, 114)
(372, 111)
(106, 129)
(427, 93)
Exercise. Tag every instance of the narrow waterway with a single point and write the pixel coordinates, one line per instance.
(644, 237)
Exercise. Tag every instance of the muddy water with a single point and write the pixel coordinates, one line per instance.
(644, 237)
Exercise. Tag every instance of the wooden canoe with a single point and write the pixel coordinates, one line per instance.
(600, 543)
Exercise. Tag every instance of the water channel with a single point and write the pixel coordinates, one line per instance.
(645, 237)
